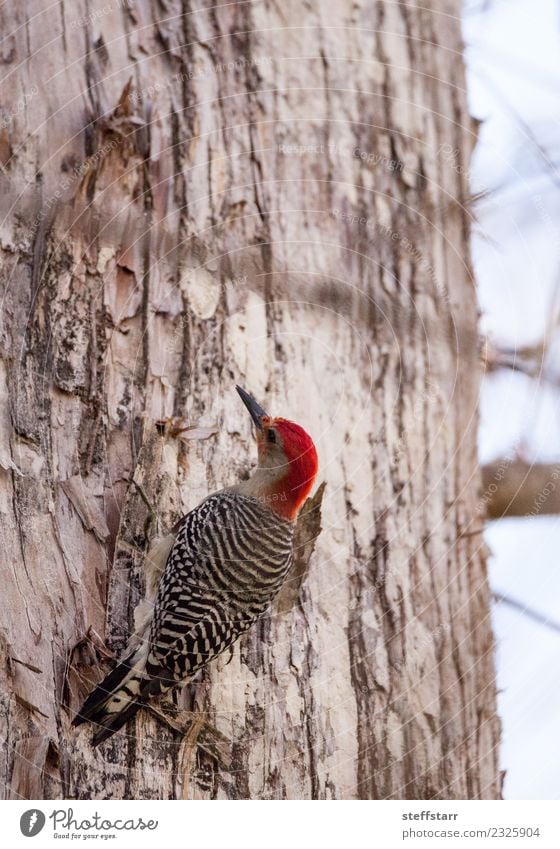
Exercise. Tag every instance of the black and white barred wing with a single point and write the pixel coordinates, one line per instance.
(215, 587)
(229, 559)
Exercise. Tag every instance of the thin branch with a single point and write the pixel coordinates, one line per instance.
(500, 598)
(516, 488)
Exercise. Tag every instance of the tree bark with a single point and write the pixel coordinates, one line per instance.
(270, 194)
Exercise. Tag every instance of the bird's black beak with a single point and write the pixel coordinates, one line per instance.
(255, 410)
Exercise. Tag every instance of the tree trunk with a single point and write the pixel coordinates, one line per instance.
(275, 195)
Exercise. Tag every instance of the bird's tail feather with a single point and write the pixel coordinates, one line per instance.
(117, 698)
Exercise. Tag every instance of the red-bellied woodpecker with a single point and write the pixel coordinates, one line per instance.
(223, 566)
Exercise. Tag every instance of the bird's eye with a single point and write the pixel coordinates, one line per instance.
(271, 435)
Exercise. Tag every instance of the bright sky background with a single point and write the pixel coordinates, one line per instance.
(513, 58)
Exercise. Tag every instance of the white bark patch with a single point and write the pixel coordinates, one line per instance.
(248, 342)
(105, 254)
(203, 292)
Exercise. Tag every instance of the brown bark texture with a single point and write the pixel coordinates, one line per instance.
(515, 488)
(272, 194)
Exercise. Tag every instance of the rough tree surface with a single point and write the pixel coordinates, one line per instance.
(270, 194)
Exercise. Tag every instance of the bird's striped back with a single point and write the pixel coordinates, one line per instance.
(246, 550)
(230, 558)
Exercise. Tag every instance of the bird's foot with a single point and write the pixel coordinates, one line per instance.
(93, 643)
(196, 730)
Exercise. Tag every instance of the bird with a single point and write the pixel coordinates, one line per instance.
(217, 575)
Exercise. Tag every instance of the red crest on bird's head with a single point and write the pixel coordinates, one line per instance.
(287, 456)
(297, 472)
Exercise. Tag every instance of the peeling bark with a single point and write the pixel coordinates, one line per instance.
(194, 198)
